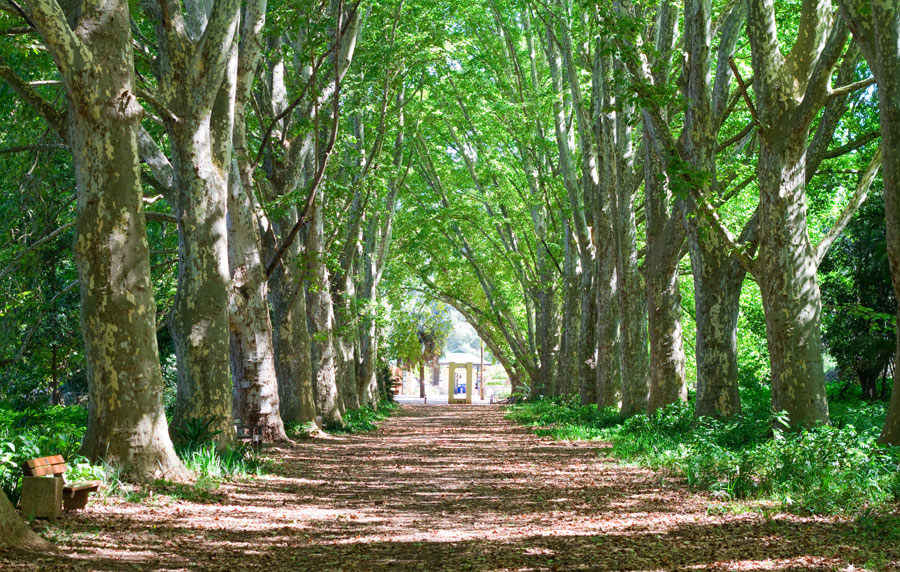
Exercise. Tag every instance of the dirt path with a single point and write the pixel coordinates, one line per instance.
(449, 488)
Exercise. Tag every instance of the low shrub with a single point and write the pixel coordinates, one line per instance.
(823, 470)
(31, 433)
(365, 418)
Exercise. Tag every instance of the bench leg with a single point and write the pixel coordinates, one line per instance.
(78, 500)
(41, 497)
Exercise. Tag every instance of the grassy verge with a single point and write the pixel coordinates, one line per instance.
(365, 419)
(59, 430)
(825, 470)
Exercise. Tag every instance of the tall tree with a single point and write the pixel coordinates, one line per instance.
(876, 28)
(251, 336)
(790, 90)
(126, 423)
(196, 72)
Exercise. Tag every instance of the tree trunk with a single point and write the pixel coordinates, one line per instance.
(665, 239)
(422, 379)
(876, 28)
(251, 338)
(632, 303)
(718, 278)
(436, 371)
(609, 372)
(790, 90)
(199, 319)
(291, 337)
(126, 423)
(321, 316)
(15, 533)
(667, 378)
(788, 284)
(889, 109)
(568, 344)
(197, 77)
(587, 337)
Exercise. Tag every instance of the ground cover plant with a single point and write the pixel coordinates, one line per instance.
(822, 470)
(45, 431)
(364, 419)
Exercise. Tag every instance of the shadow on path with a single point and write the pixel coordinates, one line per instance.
(452, 488)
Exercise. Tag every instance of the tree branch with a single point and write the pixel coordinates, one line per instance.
(858, 198)
(848, 89)
(53, 117)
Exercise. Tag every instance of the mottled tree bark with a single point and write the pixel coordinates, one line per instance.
(126, 423)
(665, 232)
(251, 336)
(632, 302)
(321, 318)
(876, 28)
(665, 238)
(196, 53)
(718, 278)
(790, 90)
(291, 339)
(609, 364)
(568, 344)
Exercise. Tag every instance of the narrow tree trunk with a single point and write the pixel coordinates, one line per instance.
(718, 278)
(609, 371)
(436, 371)
(667, 378)
(665, 238)
(422, 379)
(889, 96)
(251, 338)
(632, 303)
(291, 338)
(321, 315)
(587, 337)
(546, 324)
(568, 369)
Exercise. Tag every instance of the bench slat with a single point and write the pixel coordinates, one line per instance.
(88, 486)
(44, 470)
(41, 461)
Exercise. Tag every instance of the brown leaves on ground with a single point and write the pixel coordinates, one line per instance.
(452, 488)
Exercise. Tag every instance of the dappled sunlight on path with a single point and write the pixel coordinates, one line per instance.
(445, 488)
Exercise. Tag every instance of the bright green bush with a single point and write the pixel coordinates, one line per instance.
(365, 418)
(34, 433)
(824, 470)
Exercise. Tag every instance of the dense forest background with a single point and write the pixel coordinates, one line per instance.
(663, 209)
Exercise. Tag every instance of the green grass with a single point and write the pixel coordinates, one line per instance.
(209, 461)
(364, 419)
(48, 431)
(825, 470)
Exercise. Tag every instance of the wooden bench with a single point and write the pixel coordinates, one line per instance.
(43, 497)
(249, 434)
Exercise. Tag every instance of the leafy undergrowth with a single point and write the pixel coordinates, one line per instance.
(32, 433)
(59, 430)
(364, 419)
(825, 470)
(451, 488)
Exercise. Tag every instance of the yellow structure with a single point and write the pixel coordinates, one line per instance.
(451, 384)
